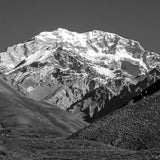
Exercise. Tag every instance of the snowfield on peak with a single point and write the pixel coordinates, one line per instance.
(79, 72)
(98, 48)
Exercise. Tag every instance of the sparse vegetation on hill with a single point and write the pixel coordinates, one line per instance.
(135, 126)
(17, 145)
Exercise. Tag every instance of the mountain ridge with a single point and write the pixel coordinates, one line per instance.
(63, 67)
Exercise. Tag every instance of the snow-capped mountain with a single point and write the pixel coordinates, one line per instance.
(84, 73)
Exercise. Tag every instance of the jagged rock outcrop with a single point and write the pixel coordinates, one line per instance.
(83, 73)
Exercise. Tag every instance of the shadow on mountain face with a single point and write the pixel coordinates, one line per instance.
(135, 126)
(148, 91)
(135, 93)
(18, 112)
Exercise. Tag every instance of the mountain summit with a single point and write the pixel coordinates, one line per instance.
(88, 74)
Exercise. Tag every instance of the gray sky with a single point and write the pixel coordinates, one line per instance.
(134, 19)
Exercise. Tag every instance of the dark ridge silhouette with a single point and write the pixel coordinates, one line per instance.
(135, 126)
(119, 101)
(148, 91)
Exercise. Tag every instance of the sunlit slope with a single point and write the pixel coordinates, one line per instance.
(17, 111)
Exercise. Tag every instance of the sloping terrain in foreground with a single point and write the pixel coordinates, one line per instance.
(18, 146)
(19, 112)
(136, 126)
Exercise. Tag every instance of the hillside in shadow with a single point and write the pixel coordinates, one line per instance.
(135, 126)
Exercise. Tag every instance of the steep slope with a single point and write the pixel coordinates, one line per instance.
(136, 126)
(82, 73)
(19, 112)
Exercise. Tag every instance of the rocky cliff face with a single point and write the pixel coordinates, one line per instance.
(87, 74)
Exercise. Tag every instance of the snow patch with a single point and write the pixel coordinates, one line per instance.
(104, 71)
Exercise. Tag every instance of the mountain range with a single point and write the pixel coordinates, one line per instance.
(93, 83)
(83, 73)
